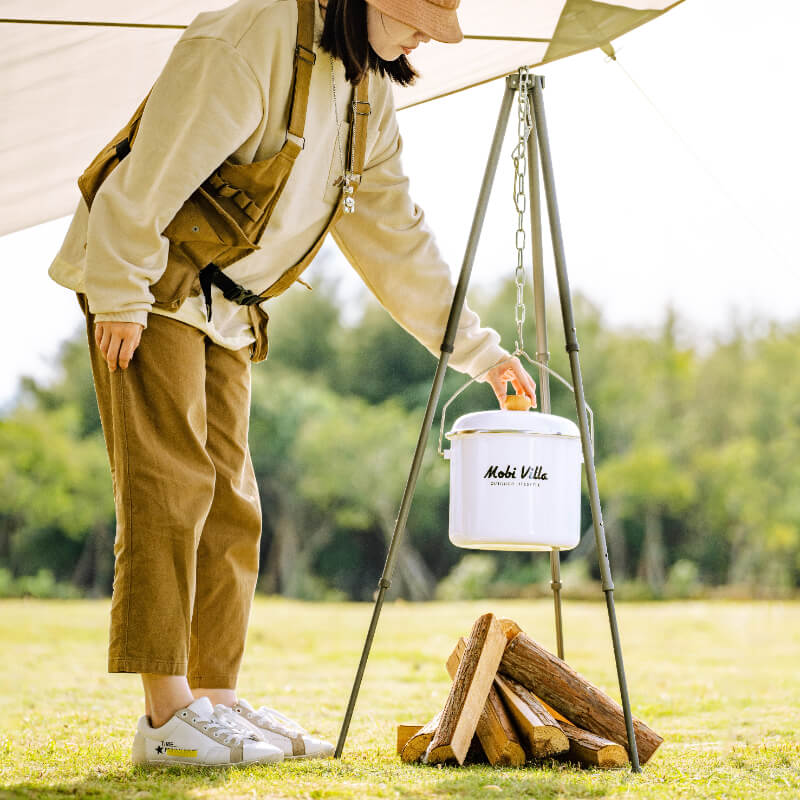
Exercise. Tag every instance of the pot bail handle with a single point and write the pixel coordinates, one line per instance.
(522, 398)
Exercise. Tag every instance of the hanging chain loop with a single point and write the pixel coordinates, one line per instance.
(519, 156)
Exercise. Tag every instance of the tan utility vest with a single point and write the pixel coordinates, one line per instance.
(225, 217)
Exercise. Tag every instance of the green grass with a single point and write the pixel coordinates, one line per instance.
(719, 681)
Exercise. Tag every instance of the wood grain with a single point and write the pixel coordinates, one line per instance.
(558, 685)
(468, 692)
(495, 730)
(510, 628)
(404, 733)
(594, 750)
(538, 729)
(416, 746)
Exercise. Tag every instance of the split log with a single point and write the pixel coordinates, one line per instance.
(563, 689)
(495, 730)
(404, 733)
(594, 750)
(584, 747)
(510, 628)
(540, 731)
(468, 692)
(418, 743)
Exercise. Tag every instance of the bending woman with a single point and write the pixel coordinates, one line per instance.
(243, 139)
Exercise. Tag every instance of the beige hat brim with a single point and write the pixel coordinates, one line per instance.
(439, 23)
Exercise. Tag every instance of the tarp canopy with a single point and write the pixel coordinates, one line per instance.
(66, 88)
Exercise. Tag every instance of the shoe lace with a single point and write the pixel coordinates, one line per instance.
(217, 727)
(233, 720)
(267, 718)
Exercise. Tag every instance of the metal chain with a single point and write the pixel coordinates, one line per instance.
(519, 156)
(347, 175)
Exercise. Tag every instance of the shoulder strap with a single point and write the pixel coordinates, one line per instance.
(304, 58)
(358, 131)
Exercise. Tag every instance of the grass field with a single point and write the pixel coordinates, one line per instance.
(720, 682)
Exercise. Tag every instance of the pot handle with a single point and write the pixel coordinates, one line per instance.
(472, 380)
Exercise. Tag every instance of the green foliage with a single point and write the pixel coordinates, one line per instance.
(470, 579)
(42, 585)
(696, 449)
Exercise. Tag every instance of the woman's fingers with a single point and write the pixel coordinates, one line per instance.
(514, 372)
(113, 350)
(129, 344)
(523, 383)
(105, 339)
(117, 342)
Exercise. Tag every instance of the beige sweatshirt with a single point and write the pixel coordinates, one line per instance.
(225, 90)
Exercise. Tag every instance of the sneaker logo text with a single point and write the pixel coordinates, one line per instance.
(169, 749)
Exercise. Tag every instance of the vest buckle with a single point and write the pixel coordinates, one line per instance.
(298, 140)
(305, 54)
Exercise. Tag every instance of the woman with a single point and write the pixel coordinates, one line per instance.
(173, 378)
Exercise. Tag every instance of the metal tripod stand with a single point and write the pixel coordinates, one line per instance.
(542, 356)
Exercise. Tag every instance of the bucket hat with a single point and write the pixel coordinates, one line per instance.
(437, 18)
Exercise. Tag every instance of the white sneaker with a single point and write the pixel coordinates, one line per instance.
(195, 735)
(277, 729)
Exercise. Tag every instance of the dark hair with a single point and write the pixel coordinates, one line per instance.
(344, 36)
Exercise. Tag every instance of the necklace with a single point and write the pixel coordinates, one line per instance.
(347, 174)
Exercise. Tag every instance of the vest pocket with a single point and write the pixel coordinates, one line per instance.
(201, 232)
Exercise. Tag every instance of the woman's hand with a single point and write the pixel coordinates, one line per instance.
(511, 370)
(117, 341)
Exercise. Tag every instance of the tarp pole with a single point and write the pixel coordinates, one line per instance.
(571, 337)
(433, 399)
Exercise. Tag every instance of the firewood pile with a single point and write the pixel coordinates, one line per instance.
(512, 702)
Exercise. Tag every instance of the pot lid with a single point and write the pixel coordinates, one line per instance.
(528, 421)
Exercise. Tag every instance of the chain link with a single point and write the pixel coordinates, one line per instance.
(520, 158)
(347, 175)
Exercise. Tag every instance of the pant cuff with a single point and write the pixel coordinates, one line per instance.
(146, 665)
(212, 681)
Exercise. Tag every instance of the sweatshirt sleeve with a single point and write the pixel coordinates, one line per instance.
(391, 247)
(204, 105)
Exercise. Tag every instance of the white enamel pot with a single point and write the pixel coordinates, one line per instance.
(515, 481)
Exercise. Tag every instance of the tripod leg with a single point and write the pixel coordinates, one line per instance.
(542, 354)
(433, 398)
(577, 381)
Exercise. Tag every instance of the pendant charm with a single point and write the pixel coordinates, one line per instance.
(349, 200)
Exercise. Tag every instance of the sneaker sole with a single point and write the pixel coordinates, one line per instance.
(195, 764)
(307, 755)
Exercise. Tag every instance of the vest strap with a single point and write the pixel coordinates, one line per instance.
(358, 130)
(235, 292)
(304, 58)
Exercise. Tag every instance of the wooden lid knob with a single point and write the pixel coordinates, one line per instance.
(517, 402)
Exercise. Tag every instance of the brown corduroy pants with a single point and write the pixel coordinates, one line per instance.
(188, 513)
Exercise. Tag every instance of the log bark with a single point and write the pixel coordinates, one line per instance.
(558, 685)
(468, 692)
(495, 730)
(594, 750)
(584, 747)
(418, 743)
(538, 729)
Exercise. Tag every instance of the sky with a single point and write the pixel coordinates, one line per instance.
(676, 172)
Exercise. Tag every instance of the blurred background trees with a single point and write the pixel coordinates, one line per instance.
(697, 456)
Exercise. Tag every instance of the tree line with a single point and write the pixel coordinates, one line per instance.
(696, 451)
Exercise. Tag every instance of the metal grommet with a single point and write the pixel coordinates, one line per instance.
(195, 229)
